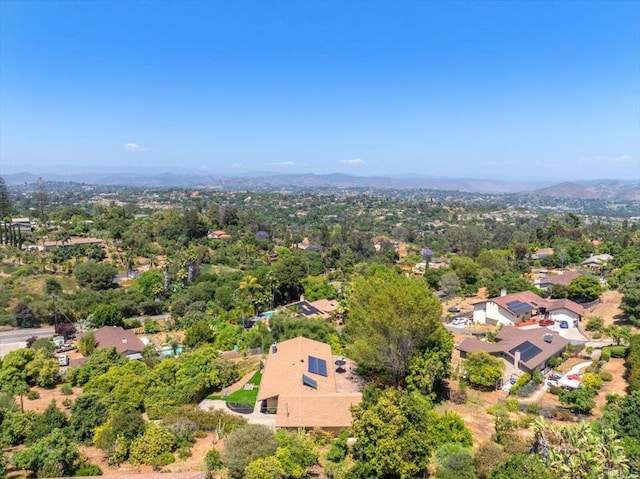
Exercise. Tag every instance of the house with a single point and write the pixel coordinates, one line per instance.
(124, 340)
(218, 234)
(562, 279)
(512, 309)
(524, 349)
(542, 253)
(314, 309)
(73, 241)
(597, 262)
(301, 386)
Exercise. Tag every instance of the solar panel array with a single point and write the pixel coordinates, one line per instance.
(307, 381)
(519, 307)
(527, 351)
(317, 366)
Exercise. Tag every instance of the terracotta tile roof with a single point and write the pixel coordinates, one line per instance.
(328, 410)
(325, 305)
(124, 340)
(511, 337)
(284, 369)
(300, 405)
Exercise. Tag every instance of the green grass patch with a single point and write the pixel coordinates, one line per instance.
(246, 397)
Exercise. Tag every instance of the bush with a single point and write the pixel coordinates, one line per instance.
(522, 380)
(594, 324)
(533, 408)
(618, 352)
(88, 469)
(555, 390)
(606, 376)
(212, 461)
(66, 389)
(512, 405)
(597, 335)
(458, 396)
(132, 324)
(33, 395)
(555, 362)
(606, 355)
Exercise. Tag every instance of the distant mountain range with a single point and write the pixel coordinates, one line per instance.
(599, 189)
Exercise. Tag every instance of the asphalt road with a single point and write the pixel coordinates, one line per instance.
(17, 338)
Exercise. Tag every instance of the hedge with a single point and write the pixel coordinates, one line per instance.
(618, 352)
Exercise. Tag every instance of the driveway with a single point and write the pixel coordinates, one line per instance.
(571, 333)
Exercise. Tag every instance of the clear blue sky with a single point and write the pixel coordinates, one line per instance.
(541, 90)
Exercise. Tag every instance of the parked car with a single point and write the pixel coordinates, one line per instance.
(564, 324)
(546, 322)
(453, 309)
(460, 321)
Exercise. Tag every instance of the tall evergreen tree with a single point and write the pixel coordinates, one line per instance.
(5, 200)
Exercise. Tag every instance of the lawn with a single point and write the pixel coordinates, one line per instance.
(245, 397)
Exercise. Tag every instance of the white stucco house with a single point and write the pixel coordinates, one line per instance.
(512, 309)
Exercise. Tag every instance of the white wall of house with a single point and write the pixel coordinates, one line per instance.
(563, 314)
(491, 313)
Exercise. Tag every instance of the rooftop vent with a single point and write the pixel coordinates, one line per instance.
(548, 338)
(274, 348)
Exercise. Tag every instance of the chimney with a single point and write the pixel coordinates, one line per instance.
(274, 348)
(302, 297)
(516, 358)
(503, 292)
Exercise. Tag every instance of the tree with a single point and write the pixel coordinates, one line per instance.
(245, 445)
(522, 466)
(199, 334)
(390, 318)
(398, 431)
(212, 462)
(52, 456)
(41, 198)
(5, 200)
(630, 303)
(87, 344)
(483, 370)
(116, 435)
(148, 448)
(265, 468)
(106, 315)
(450, 283)
(97, 276)
(579, 400)
(586, 288)
(87, 413)
(24, 316)
(455, 461)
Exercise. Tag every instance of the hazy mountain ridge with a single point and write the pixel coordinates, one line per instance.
(614, 190)
(596, 189)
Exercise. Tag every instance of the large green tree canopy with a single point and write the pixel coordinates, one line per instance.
(391, 317)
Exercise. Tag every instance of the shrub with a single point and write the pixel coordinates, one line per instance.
(458, 396)
(606, 354)
(131, 323)
(618, 352)
(88, 469)
(522, 380)
(33, 395)
(533, 408)
(212, 461)
(555, 390)
(597, 335)
(66, 389)
(512, 405)
(606, 376)
(594, 324)
(555, 362)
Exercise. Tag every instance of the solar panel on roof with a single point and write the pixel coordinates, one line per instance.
(317, 366)
(307, 381)
(527, 351)
(519, 307)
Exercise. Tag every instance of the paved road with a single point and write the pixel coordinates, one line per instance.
(17, 338)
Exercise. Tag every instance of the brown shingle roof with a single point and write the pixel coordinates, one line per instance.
(124, 340)
(535, 301)
(328, 410)
(563, 279)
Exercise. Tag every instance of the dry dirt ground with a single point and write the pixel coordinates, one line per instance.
(46, 395)
(609, 310)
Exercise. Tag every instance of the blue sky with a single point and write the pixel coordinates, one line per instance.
(540, 90)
